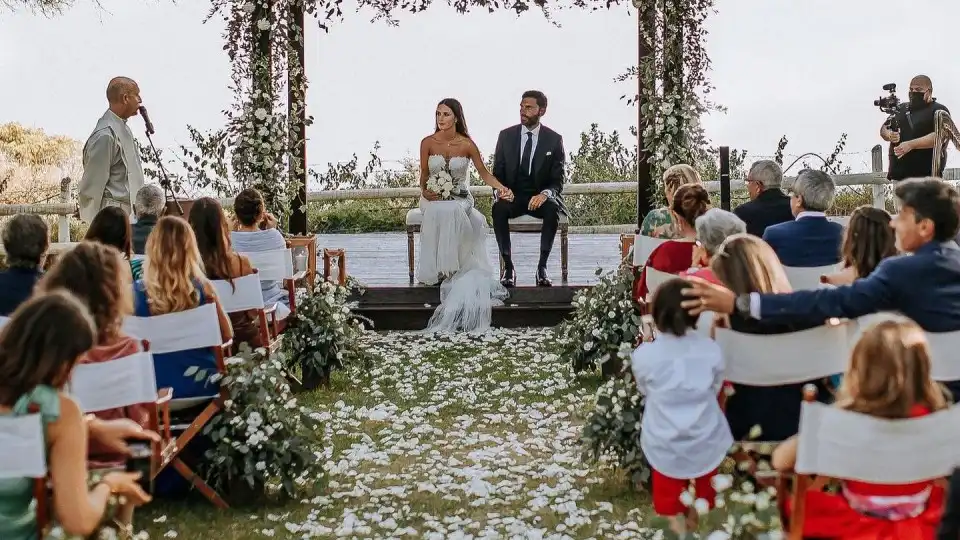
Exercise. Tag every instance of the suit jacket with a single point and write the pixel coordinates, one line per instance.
(16, 286)
(806, 242)
(769, 208)
(548, 161)
(141, 230)
(924, 286)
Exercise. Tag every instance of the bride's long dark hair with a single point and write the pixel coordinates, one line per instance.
(461, 122)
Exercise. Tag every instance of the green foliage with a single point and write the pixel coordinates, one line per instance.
(613, 428)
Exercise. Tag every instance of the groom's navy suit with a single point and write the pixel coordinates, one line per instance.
(542, 175)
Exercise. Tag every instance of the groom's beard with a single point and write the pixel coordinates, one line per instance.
(529, 120)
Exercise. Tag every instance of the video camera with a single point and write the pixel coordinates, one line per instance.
(891, 105)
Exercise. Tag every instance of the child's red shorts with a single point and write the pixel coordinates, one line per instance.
(667, 491)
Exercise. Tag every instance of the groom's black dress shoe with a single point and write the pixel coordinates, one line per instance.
(542, 279)
(509, 277)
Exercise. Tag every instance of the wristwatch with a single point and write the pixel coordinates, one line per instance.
(742, 305)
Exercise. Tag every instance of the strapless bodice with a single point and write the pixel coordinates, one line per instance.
(457, 167)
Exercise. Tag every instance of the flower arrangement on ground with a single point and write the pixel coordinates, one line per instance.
(614, 428)
(326, 334)
(441, 183)
(262, 437)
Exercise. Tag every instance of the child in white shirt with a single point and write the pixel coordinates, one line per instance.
(683, 434)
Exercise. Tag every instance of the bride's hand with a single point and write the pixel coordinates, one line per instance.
(505, 193)
(429, 195)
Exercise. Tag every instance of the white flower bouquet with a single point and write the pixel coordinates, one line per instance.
(442, 184)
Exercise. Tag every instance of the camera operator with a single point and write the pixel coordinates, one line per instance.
(913, 144)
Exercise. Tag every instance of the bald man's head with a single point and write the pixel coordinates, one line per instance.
(921, 82)
(123, 94)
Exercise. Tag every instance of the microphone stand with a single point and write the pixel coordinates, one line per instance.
(164, 180)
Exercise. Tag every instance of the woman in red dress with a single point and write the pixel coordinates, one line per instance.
(674, 256)
(888, 377)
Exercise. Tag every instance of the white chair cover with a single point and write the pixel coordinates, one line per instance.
(191, 329)
(705, 322)
(116, 383)
(807, 279)
(22, 447)
(4, 321)
(853, 446)
(944, 355)
(772, 360)
(643, 246)
(245, 295)
(274, 265)
(655, 278)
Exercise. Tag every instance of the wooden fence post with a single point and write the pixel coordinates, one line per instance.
(879, 191)
(63, 225)
(725, 178)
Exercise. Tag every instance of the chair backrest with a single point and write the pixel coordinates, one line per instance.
(4, 321)
(115, 383)
(853, 446)
(778, 359)
(807, 279)
(643, 246)
(655, 278)
(245, 294)
(192, 329)
(24, 449)
(273, 265)
(944, 355)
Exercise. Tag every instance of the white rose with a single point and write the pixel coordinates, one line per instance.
(260, 113)
(588, 345)
(263, 24)
(721, 482)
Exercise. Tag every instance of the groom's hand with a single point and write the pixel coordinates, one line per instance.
(537, 201)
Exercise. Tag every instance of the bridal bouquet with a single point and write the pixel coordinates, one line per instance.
(442, 184)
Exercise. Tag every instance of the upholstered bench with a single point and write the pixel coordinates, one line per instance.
(522, 224)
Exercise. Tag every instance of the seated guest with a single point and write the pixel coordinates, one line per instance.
(660, 223)
(683, 434)
(111, 227)
(257, 231)
(149, 206)
(174, 282)
(768, 205)
(713, 227)
(924, 286)
(209, 225)
(811, 240)
(746, 264)
(868, 240)
(50, 333)
(25, 241)
(674, 256)
(98, 276)
(889, 378)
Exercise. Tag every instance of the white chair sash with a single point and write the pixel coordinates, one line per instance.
(4, 321)
(777, 359)
(853, 446)
(23, 448)
(246, 293)
(274, 265)
(655, 278)
(115, 383)
(643, 246)
(807, 279)
(191, 329)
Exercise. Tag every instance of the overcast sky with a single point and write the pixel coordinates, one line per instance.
(809, 69)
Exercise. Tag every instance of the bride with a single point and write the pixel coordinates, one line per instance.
(453, 246)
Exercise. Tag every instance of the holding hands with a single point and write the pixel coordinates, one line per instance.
(505, 193)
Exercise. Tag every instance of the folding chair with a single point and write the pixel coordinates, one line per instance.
(246, 295)
(193, 329)
(124, 382)
(808, 279)
(844, 445)
(25, 456)
(277, 265)
(643, 246)
(655, 278)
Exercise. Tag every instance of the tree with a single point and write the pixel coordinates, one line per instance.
(43, 7)
(33, 162)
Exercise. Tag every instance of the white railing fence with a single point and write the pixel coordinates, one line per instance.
(64, 209)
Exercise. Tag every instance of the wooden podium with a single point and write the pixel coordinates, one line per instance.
(171, 209)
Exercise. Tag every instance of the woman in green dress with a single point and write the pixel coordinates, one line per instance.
(39, 347)
(111, 227)
(660, 222)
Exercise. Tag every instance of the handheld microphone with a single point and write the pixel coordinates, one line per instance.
(146, 120)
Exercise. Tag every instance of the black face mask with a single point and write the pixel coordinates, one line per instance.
(916, 100)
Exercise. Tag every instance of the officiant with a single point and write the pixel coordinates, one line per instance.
(112, 171)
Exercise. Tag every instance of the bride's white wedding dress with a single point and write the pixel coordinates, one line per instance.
(453, 239)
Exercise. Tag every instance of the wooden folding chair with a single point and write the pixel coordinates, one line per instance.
(643, 246)
(246, 295)
(836, 444)
(277, 265)
(192, 329)
(25, 456)
(124, 382)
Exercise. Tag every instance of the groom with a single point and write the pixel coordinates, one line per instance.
(529, 160)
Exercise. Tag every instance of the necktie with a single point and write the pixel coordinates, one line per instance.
(525, 157)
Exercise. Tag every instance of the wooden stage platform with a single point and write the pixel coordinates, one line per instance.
(379, 262)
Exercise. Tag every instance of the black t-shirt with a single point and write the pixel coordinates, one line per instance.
(913, 125)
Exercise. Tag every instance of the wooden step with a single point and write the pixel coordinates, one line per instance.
(384, 296)
(416, 316)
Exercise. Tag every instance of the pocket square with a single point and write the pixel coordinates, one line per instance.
(549, 153)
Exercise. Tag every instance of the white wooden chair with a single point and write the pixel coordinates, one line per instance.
(25, 456)
(808, 279)
(643, 246)
(193, 329)
(844, 445)
(245, 295)
(655, 278)
(277, 265)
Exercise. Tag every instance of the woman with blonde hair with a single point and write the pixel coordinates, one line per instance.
(172, 282)
(889, 377)
(661, 222)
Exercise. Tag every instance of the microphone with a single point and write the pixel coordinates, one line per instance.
(146, 120)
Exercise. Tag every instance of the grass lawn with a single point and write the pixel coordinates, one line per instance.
(453, 437)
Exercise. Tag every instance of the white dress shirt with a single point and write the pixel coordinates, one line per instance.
(683, 434)
(808, 213)
(533, 150)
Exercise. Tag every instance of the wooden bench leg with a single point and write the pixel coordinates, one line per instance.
(563, 254)
(410, 252)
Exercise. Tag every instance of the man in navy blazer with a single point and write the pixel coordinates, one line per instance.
(924, 286)
(25, 240)
(810, 240)
(768, 205)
